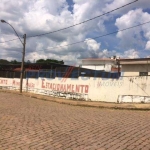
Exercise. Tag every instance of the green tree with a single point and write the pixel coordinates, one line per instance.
(4, 61)
(49, 61)
(15, 62)
(40, 61)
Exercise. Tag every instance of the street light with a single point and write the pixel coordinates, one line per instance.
(23, 53)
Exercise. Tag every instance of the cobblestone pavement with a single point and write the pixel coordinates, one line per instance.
(27, 123)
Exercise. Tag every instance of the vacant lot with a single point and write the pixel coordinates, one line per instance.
(27, 123)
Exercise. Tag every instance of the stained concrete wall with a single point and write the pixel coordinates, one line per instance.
(124, 89)
(111, 90)
(136, 68)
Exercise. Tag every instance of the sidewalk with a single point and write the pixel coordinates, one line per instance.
(127, 106)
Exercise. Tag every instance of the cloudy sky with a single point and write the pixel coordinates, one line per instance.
(41, 16)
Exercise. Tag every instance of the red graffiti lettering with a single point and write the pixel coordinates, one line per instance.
(58, 87)
(86, 89)
(77, 88)
(66, 87)
(73, 88)
(3, 81)
(81, 88)
(43, 80)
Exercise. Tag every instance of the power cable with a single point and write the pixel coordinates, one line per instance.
(102, 35)
(76, 24)
(10, 40)
(83, 21)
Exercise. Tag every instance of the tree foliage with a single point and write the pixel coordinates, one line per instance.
(3, 61)
(15, 62)
(49, 61)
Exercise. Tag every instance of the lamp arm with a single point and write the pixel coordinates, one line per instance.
(15, 32)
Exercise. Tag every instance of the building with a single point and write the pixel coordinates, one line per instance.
(135, 67)
(128, 67)
(85, 84)
(103, 64)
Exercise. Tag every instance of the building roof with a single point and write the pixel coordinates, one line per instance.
(99, 59)
(31, 66)
(135, 61)
(123, 61)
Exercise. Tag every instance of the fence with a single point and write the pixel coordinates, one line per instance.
(11, 74)
(60, 73)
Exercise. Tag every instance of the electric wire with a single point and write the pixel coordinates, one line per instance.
(102, 35)
(77, 23)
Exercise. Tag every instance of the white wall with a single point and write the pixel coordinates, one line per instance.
(125, 89)
(106, 67)
(94, 67)
(112, 90)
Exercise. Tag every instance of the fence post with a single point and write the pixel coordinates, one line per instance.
(51, 72)
(6, 73)
(55, 72)
(24, 74)
(38, 73)
(78, 71)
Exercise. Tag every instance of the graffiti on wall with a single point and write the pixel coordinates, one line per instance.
(3, 81)
(30, 86)
(15, 83)
(72, 91)
(109, 83)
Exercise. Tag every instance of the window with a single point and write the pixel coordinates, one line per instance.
(143, 73)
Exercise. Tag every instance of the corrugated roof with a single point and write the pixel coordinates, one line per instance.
(121, 60)
(134, 59)
(27, 69)
(134, 62)
(101, 59)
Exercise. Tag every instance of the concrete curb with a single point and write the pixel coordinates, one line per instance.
(123, 106)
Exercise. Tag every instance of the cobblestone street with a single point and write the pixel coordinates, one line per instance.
(28, 123)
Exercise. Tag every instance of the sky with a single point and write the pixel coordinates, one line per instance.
(41, 16)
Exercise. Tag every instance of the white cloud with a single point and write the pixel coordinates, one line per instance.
(42, 16)
(112, 4)
(35, 56)
(92, 44)
(131, 54)
(133, 37)
(147, 45)
(104, 53)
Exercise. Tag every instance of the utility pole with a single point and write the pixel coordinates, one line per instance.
(22, 63)
(23, 53)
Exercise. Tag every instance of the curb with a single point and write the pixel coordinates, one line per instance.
(104, 105)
